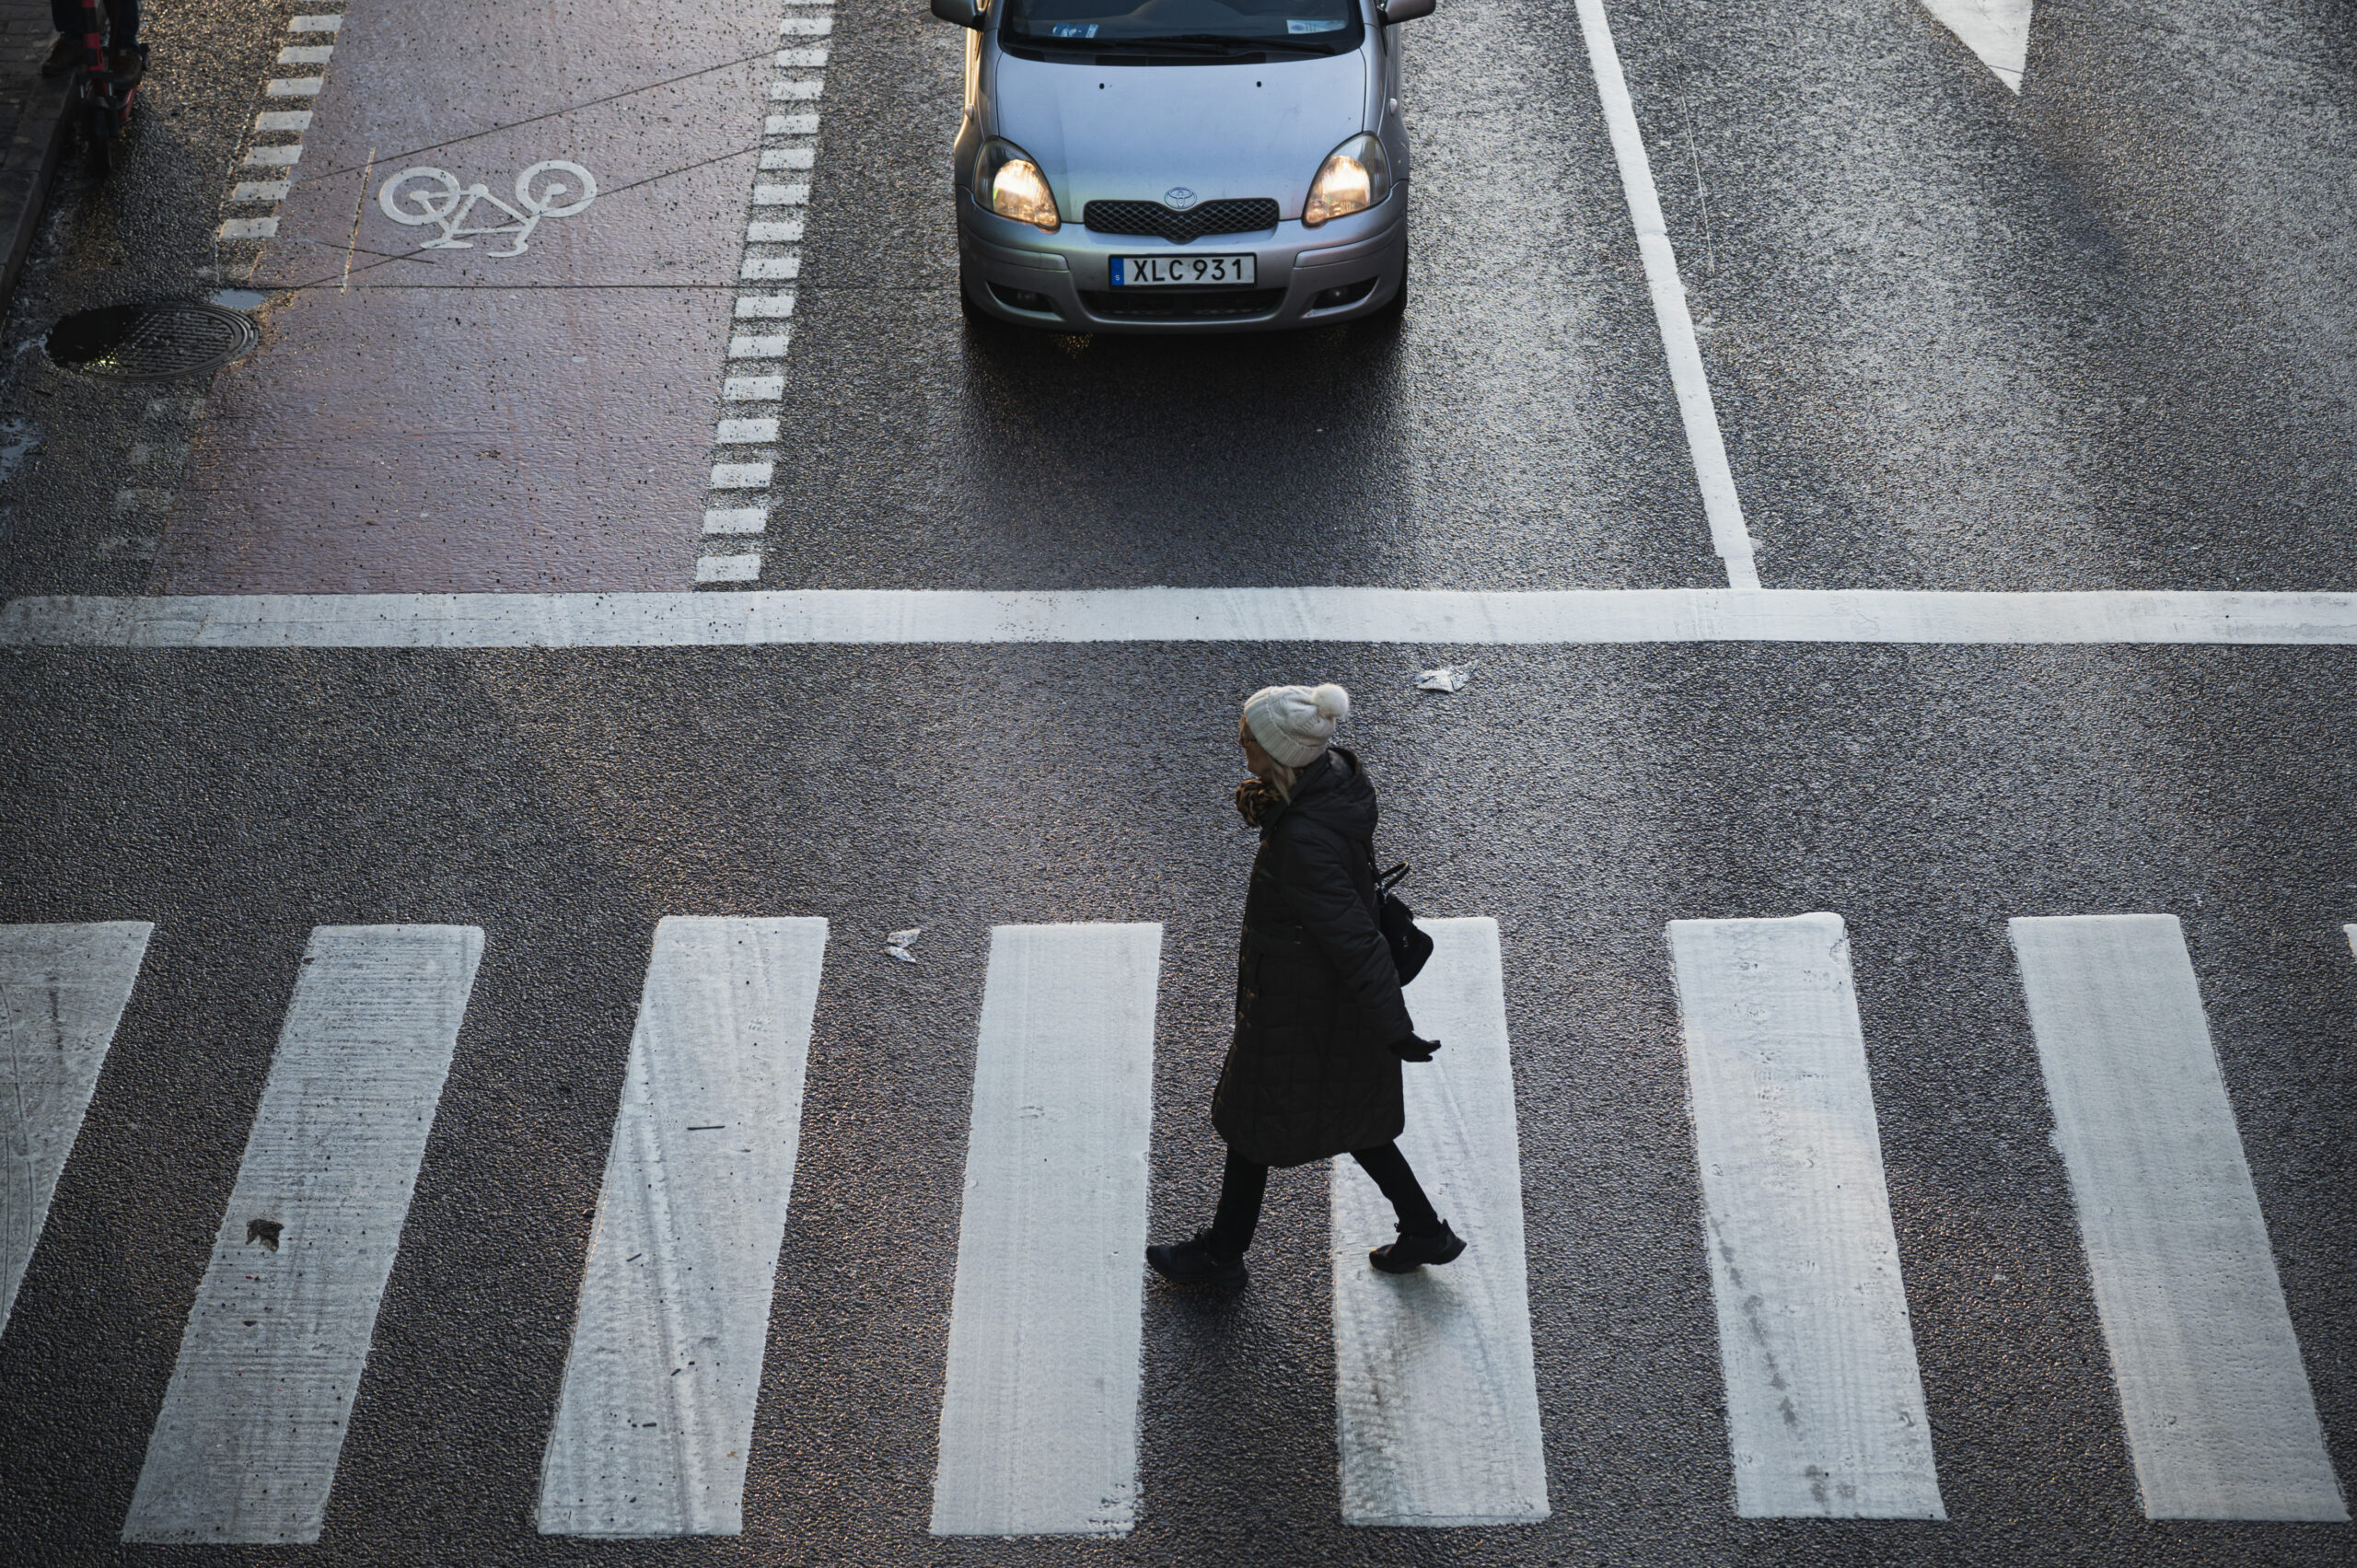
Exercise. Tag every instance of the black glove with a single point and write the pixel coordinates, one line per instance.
(1415, 1048)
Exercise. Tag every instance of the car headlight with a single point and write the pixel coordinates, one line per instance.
(1007, 182)
(1354, 177)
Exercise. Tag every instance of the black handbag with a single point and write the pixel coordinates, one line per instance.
(1410, 947)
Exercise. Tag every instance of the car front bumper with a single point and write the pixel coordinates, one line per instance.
(1305, 277)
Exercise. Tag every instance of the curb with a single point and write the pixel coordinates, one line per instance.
(29, 158)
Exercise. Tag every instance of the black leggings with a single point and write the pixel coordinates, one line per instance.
(65, 16)
(1244, 1184)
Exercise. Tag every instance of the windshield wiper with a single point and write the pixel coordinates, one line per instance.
(1210, 43)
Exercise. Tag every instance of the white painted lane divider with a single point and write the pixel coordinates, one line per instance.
(1825, 1402)
(656, 1414)
(2221, 1422)
(1173, 615)
(734, 520)
(1996, 30)
(253, 1420)
(316, 33)
(1729, 537)
(1040, 1409)
(1436, 1397)
(62, 989)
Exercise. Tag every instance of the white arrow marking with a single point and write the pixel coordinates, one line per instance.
(1997, 31)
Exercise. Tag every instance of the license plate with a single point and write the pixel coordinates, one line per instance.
(1181, 272)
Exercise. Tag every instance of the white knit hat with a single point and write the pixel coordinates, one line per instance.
(1292, 723)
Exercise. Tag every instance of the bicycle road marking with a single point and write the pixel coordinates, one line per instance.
(423, 194)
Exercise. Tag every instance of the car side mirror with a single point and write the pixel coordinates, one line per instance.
(1395, 11)
(965, 15)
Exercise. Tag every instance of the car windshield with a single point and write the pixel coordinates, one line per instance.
(1208, 28)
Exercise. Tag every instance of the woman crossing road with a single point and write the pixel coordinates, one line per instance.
(1313, 1069)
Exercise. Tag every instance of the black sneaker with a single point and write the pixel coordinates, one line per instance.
(1193, 1264)
(1409, 1253)
(63, 55)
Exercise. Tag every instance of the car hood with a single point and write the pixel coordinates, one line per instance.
(1130, 132)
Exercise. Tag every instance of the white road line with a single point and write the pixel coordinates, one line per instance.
(1436, 1399)
(741, 568)
(656, 1415)
(1425, 617)
(2350, 932)
(1729, 537)
(1039, 1407)
(2221, 1423)
(1996, 30)
(62, 989)
(776, 265)
(1825, 1404)
(245, 1449)
(736, 520)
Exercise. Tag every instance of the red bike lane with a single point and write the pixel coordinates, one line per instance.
(499, 411)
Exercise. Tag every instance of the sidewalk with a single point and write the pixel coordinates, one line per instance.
(32, 126)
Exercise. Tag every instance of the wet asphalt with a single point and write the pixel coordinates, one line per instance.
(2096, 336)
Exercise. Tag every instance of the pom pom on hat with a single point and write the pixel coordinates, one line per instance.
(1293, 724)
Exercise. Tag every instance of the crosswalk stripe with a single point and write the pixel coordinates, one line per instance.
(1040, 1413)
(62, 989)
(656, 1414)
(245, 1448)
(1825, 1404)
(2221, 1422)
(1436, 1397)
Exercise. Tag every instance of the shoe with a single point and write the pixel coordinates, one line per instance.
(127, 66)
(1409, 1253)
(1193, 1263)
(63, 55)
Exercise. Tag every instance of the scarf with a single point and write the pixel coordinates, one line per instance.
(1258, 802)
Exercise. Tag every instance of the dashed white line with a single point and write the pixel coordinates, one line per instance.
(655, 1419)
(1825, 1402)
(1039, 1406)
(768, 260)
(277, 120)
(1721, 506)
(62, 989)
(2221, 1422)
(253, 1419)
(1434, 1389)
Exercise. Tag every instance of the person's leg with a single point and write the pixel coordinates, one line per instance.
(65, 54)
(1393, 1175)
(1241, 1187)
(1215, 1256)
(122, 30)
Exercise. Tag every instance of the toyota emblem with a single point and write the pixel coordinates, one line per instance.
(1177, 198)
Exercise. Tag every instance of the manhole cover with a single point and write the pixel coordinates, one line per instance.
(149, 343)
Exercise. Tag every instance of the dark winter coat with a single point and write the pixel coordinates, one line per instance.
(1310, 1072)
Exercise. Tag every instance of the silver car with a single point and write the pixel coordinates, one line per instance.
(1181, 166)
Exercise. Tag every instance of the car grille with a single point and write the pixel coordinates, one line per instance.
(1243, 216)
(1182, 304)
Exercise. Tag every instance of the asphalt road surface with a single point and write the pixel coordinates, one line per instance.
(2097, 335)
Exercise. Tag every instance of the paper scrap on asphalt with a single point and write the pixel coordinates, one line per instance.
(1446, 679)
(897, 944)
